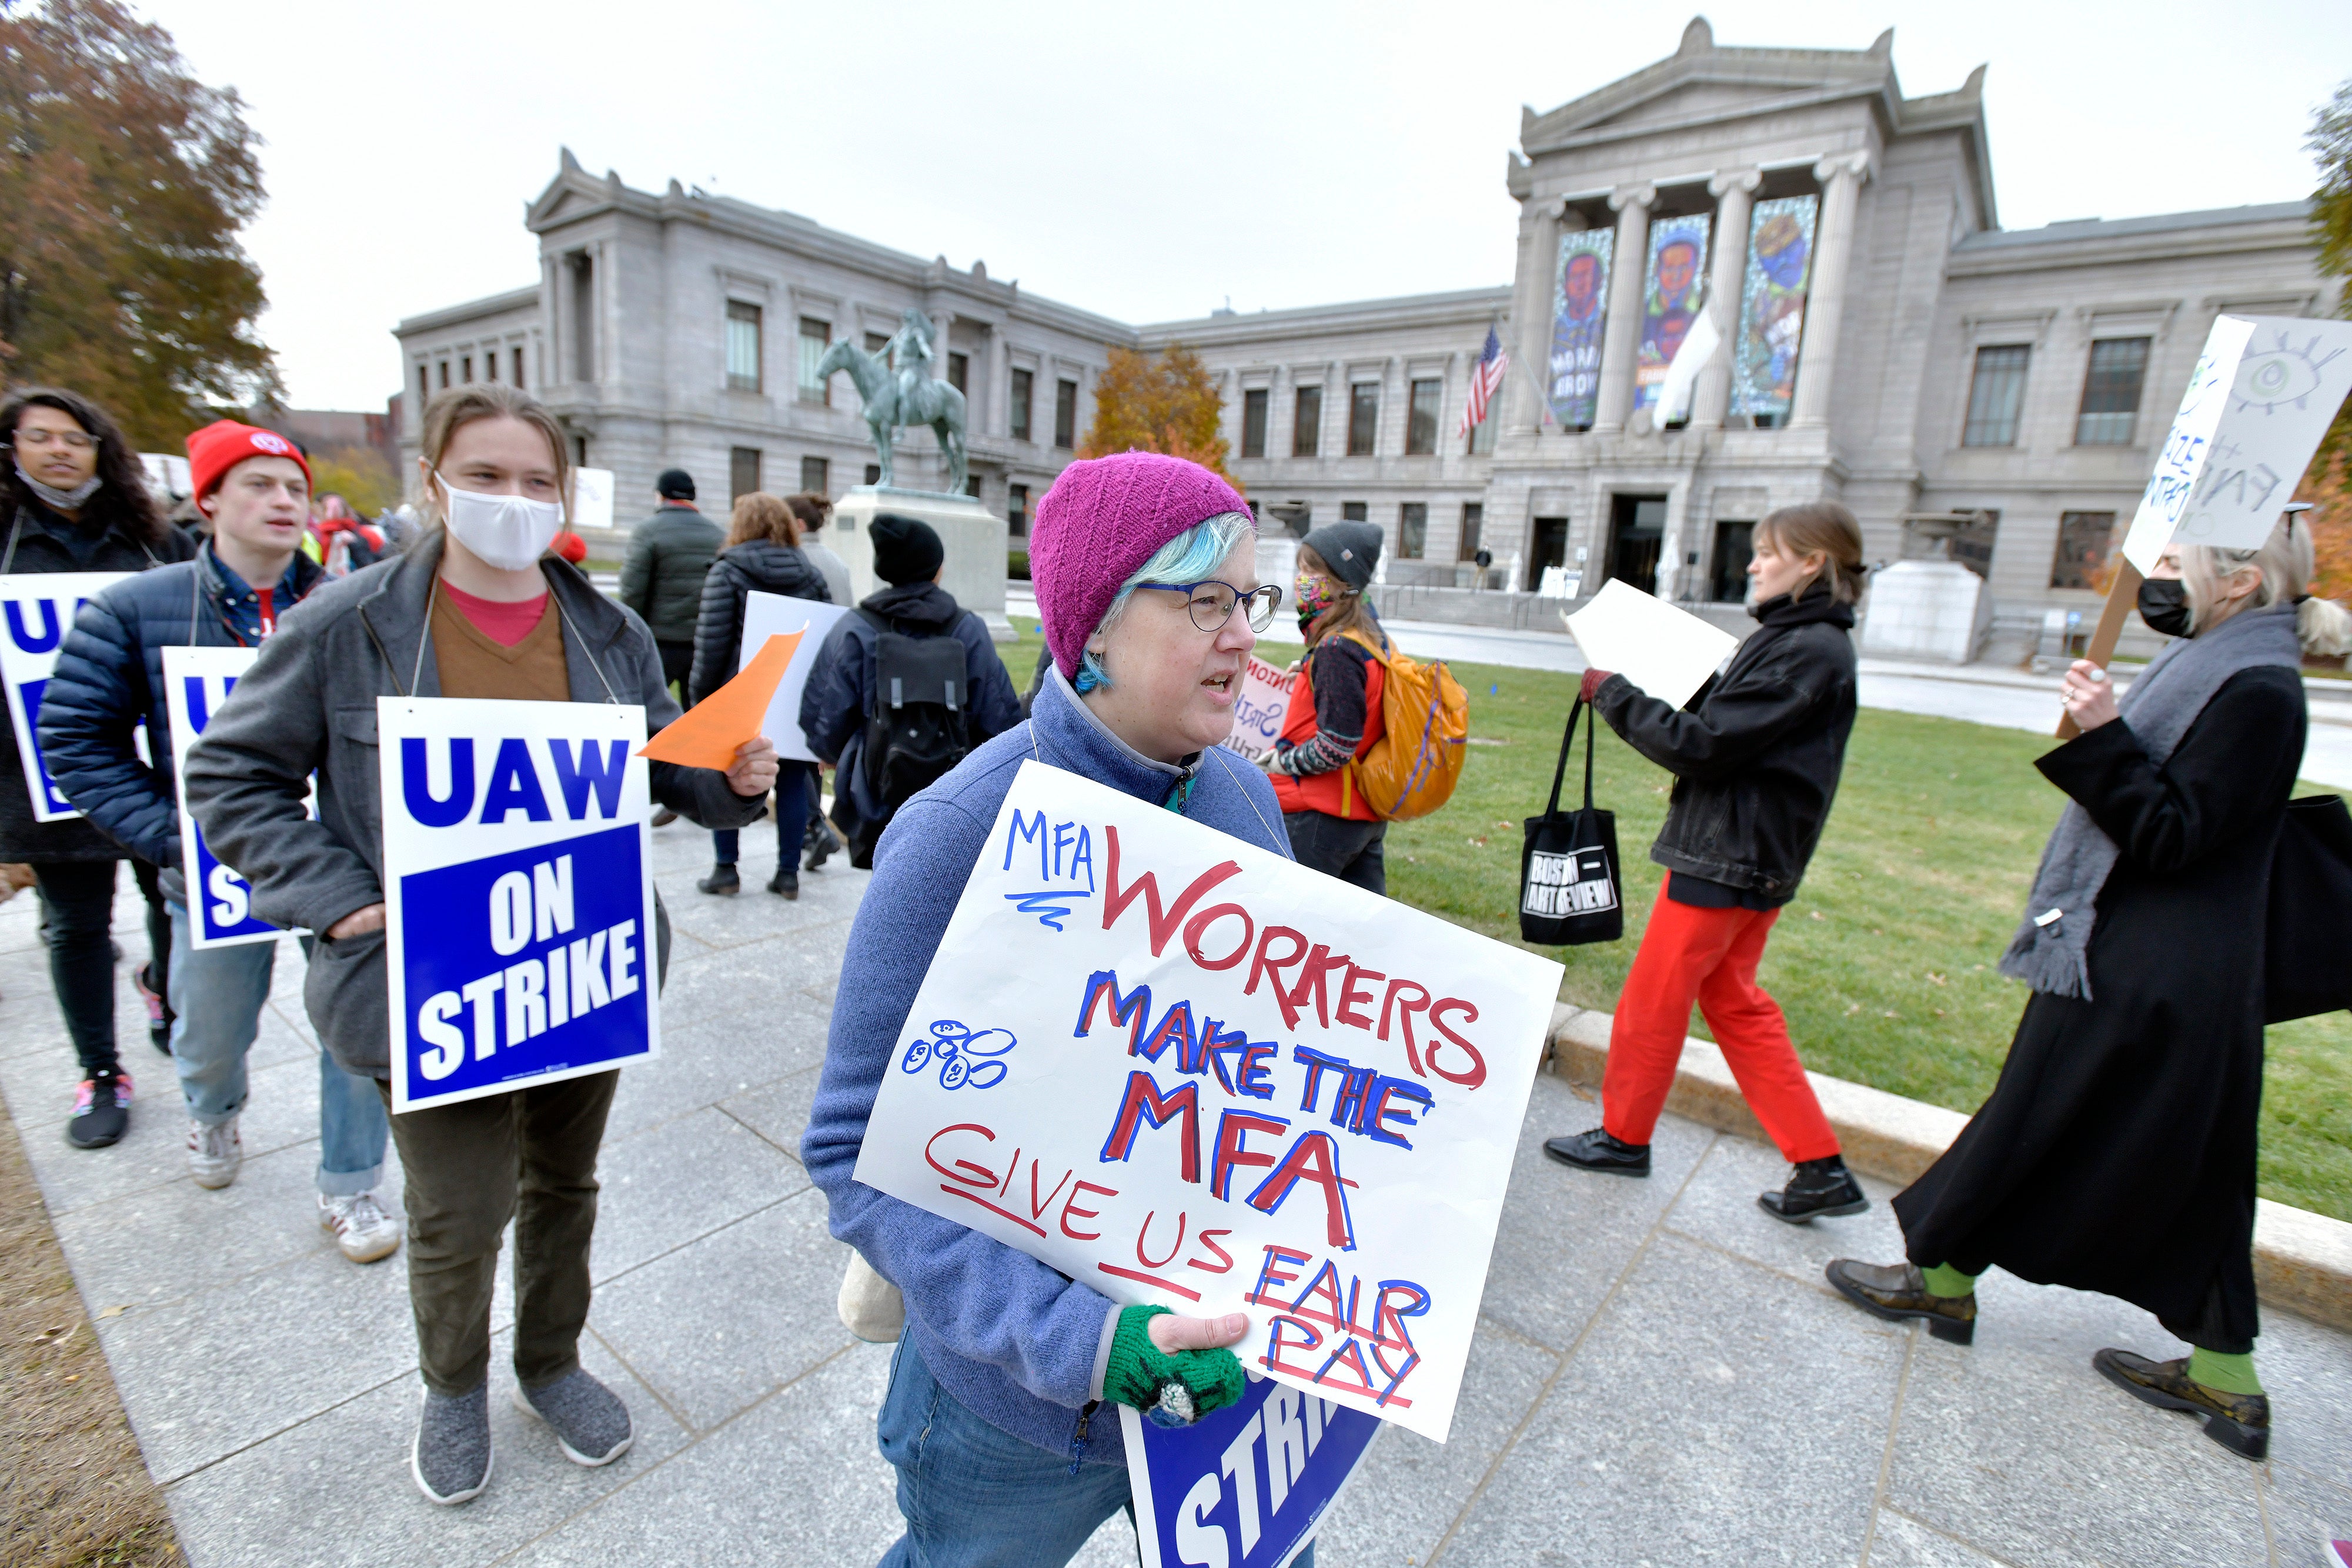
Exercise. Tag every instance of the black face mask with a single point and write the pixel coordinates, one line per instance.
(2164, 605)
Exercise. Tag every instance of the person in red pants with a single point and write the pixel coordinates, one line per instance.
(1756, 760)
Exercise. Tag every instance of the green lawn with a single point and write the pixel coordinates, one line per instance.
(1885, 962)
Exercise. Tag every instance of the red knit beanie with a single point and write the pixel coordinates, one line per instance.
(1104, 518)
(224, 443)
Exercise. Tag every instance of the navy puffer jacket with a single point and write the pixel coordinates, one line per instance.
(761, 566)
(109, 675)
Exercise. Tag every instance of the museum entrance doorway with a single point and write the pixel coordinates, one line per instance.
(1637, 527)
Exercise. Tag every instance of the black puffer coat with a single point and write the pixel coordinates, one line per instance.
(1756, 757)
(35, 542)
(755, 566)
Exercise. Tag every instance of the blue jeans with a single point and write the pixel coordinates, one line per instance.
(975, 1497)
(792, 795)
(217, 994)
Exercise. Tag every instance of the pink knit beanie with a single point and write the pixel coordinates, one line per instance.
(1104, 518)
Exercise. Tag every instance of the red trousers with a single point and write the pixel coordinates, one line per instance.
(1707, 956)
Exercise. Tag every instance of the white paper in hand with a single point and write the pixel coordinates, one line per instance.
(1668, 653)
(766, 614)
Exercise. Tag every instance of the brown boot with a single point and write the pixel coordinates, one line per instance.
(2239, 1422)
(1899, 1291)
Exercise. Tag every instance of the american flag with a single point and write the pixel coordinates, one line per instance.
(1485, 377)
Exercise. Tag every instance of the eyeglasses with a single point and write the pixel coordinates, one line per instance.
(80, 441)
(1211, 603)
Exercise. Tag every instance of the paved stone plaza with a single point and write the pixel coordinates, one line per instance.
(1662, 1377)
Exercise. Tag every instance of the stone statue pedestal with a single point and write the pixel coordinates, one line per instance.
(973, 537)
(1935, 610)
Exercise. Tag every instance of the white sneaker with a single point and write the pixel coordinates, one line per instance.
(364, 1231)
(214, 1151)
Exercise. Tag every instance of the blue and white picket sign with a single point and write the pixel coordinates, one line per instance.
(1244, 1487)
(519, 897)
(197, 681)
(37, 611)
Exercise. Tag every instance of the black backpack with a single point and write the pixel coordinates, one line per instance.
(922, 698)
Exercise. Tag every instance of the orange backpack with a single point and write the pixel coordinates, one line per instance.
(1411, 769)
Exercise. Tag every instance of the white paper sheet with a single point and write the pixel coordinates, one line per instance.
(1668, 653)
(772, 614)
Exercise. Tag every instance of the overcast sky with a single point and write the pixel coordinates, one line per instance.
(1145, 161)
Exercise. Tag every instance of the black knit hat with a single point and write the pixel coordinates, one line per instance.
(1352, 551)
(674, 485)
(905, 549)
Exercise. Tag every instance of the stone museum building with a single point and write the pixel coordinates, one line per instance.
(1860, 327)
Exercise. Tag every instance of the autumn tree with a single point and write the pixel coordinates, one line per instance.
(1165, 402)
(2329, 482)
(123, 183)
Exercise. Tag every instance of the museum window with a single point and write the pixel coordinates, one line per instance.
(1995, 395)
(873, 476)
(2082, 557)
(1306, 427)
(1735, 547)
(1254, 402)
(960, 373)
(816, 336)
(1065, 414)
(1482, 434)
(518, 367)
(1355, 512)
(1420, 423)
(1016, 510)
(1412, 530)
(466, 370)
(743, 472)
(1473, 519)
(490, 366)
(876, 341)
(742, 346)
(2111, 392)
(1363, 418)
(445, 375)
(424, 390)
(816, 476)
(583, 316)
(1025, 384)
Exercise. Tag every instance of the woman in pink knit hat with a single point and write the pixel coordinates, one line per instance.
(1146, 569)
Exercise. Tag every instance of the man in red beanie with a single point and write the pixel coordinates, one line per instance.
(253, 489)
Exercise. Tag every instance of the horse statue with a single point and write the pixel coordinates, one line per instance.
(898, 391)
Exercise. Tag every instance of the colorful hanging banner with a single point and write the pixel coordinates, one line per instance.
(1670, 299)
(1580, 313)
(1772, 306)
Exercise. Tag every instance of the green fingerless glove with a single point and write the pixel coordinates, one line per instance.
(1175, 1390)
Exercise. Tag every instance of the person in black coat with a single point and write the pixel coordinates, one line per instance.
(2116, 1152)
(761, 555)
(1756, 762)
(73, 498)
(839, 697)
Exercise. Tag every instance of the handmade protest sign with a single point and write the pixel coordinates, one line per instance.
(37, 611)
(1668, 653)
(768, 615)
(197, 681)
(1186, 1071)
(1245, 1485)
(518, 904)
(708, 734)
(1260, 708)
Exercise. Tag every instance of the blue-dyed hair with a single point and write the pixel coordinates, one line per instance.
(1191, 557)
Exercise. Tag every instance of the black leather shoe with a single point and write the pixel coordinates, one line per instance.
(722, 879)
(2239, 1422)
(1817, 1187)
(1597, 1151)
(1898, 1293)
(821, 842)
(786, 882)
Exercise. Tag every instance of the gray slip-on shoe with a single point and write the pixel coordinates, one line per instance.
(588, 1419)
(451, 1456)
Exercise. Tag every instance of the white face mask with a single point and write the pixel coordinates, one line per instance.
(508, 532)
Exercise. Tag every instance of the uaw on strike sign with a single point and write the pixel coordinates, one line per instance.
(1189, 1072)
(37, 611)
(518, 904)
(197, 681)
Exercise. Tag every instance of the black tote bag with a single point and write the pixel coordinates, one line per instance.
(1568, 890)
(2307, 964)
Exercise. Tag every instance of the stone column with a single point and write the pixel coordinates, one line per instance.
(1000, 385)
(1628, 262)
(1734, 196)
(1841, 177)
(1522, 408)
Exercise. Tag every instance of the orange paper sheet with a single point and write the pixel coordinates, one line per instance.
(707, 735)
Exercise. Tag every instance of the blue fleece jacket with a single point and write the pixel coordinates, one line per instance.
(1010, 1337)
